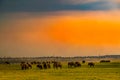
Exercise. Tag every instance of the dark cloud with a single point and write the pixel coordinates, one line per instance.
(50, 5)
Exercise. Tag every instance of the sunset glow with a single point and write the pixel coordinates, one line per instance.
(73, 26)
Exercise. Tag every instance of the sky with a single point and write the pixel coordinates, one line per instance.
(33, 28)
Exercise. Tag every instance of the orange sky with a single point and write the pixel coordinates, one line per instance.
(95, 28)
(75, 29)
(86, 31)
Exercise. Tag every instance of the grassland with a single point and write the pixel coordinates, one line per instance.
(101, 71)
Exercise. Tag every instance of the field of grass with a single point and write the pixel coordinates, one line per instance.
(101, 71)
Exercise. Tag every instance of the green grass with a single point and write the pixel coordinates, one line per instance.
(101, 71)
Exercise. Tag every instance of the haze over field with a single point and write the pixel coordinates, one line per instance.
(59, 27)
